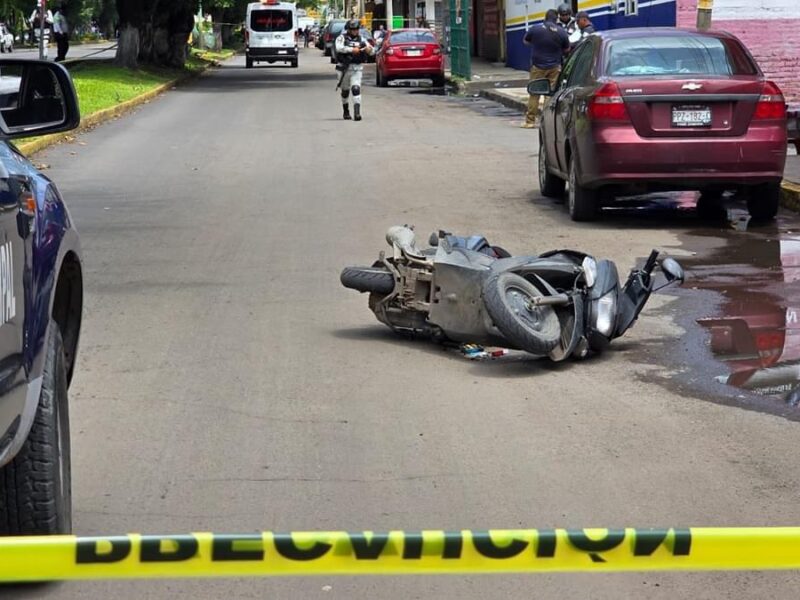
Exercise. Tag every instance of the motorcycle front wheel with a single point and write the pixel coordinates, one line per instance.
(368, 279)
(509, 302)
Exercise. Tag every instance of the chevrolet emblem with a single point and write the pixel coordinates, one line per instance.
(691, 86)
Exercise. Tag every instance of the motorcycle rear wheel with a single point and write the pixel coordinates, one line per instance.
(535, 329)
(368, 279)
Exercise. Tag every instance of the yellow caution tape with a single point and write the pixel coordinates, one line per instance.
(397, 552)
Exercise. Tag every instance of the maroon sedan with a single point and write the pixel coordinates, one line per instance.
(640, 110)
(410, 54)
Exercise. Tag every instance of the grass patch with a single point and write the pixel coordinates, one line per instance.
(101, 84)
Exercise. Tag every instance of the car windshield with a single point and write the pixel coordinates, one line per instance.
(418, 37)
(676, 55)
(271, 20)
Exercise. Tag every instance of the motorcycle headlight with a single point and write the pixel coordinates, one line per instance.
(589, 266)
(606, 313)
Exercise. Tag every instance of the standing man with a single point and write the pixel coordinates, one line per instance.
(306, 36)
(565, 19)
(40, 28)
(61, 32)
(585, 28)
(549, 43)
(351, 52)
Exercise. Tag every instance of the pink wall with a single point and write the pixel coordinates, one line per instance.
(774, 42)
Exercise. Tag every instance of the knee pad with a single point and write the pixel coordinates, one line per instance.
(345, 94)
(356, 90)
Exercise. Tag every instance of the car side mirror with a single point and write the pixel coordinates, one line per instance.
(540, 87)
(36, 98)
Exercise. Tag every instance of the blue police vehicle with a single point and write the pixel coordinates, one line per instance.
(41, 297)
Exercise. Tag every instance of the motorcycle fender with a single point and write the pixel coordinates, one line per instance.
(572, 325)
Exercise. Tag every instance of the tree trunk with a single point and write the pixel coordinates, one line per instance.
(128, 47)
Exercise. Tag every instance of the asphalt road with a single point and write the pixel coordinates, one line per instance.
(227, 382)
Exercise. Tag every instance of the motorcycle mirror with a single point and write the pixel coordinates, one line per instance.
(434, 239)
(672, 270)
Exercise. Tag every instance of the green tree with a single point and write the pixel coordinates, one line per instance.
(154, 31)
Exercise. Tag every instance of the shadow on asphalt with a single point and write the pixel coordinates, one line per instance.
(518, 364)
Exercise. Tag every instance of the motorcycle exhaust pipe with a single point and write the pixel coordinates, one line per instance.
(554, 300)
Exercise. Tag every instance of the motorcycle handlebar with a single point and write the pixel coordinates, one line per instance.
(651, 262)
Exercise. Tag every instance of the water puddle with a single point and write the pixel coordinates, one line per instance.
(740, 304)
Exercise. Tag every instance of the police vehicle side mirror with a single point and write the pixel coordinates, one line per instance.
(36, 98)
(540, 87)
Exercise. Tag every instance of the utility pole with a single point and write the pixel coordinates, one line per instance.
(389, 14)
(42, 13)
(704, 14)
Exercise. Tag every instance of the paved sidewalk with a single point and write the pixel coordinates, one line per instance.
(488, 75)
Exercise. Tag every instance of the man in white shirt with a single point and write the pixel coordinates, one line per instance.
(61, 32)
(42, 28)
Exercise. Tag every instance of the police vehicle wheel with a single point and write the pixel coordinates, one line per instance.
(508, 298)
(35, 492)
(368, 279)
(294, 63)
(248, 62)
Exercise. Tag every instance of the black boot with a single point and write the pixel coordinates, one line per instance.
(357, 112)
(346, 113)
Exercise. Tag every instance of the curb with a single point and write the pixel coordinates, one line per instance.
(107, 114)
(790, 195)
(506, 101)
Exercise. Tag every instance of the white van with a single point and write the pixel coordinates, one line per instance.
(269, 33)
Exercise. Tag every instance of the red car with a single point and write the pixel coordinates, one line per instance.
(641, 110)
(410, 54)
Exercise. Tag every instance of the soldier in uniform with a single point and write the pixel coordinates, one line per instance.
(351, 53)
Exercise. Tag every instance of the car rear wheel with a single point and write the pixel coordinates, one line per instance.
(581, 201)
(438, 80)
(550, 185)
(382, 81)
(763, 201)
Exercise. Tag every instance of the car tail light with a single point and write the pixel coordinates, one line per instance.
(389, 51)
(770, 346)
(771, 104)
(437, 50)
(607, 104)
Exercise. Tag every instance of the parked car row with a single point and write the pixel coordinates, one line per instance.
(641, 110)
(401, 53)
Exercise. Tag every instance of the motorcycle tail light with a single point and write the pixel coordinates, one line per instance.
(606, 311)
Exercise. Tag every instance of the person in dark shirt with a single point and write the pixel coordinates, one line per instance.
(585, 27)
(549, 43)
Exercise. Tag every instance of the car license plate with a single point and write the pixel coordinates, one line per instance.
(691, 116)
(282, 51)
(413, 52)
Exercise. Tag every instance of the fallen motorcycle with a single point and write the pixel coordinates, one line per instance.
(558, 304)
